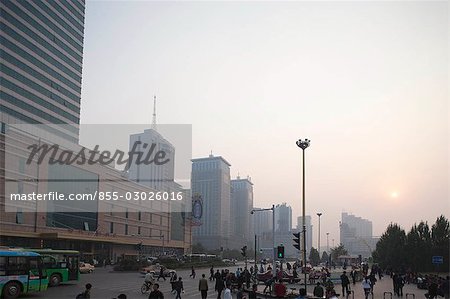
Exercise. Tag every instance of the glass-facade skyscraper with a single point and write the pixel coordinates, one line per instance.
(41, 63)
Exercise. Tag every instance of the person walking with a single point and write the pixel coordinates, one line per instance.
(161, 274)
(227, 292)
(366, 286)
(400, 283)
(446, 287)
(302, 294)
(203, 285)
(192, 272)
(394, 282)
(179, 288)
(219, 287)
(353, 276)
(211, 273)
(156, 293)
(86, 294)
(345, 283)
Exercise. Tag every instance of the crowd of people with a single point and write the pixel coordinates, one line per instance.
(226, 281)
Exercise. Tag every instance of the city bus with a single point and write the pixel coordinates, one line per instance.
(61, 265)
(21, 272)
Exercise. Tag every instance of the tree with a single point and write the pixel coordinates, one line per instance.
(440, 240)
(314, 257)
(198, 248)
(325, 257)
(338, 251)
(390, 249)
(418, 246)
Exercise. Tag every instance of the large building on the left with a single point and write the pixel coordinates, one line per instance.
(40, 87)
(41, 63)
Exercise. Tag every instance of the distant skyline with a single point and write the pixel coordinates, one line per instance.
(367, 82)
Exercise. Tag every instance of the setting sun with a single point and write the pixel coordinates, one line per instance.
(394, 194)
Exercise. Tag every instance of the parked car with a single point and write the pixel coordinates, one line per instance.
(86, 268)
(156, 269)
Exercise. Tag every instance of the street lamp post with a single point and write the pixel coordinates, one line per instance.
(318, 239)
(328, 244)
(273, 235)
(304, 144)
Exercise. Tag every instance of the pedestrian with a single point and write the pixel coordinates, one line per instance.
(156, 293)
(240, 293)
(227, 292)
(203, 286)
(400, 283)
(211, 272)
(446, 287)
(161, 274)
(432, 291)
(280, 289)
(217, 275)
(252, 293)
(302, 293)
(86, 294)
(192, 272)
(366, 286)
(345, 283)
(219, 287)
(373, 281)
(179, 288)
(318, 290)
(353, 276)
(173, 281)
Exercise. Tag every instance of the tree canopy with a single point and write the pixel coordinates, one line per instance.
(414, 250)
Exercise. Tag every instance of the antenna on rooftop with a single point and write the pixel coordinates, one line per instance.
(154, 114)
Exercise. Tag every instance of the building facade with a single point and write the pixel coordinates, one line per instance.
(104, 229)
(241, 206)
(283, 218)
(158, 177)
(210, 179)
(41, 62)
(356, 235)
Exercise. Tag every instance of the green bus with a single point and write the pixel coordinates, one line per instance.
(21, 272)
(61, 265)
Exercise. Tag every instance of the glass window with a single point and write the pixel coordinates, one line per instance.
(126, 229)
(2, 265)
(111, 228)
(19, 216)
(17, 266)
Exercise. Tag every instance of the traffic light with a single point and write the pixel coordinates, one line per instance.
(297, 240)
(244, 251)
(280, 252)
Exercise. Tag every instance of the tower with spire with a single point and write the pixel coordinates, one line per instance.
(154, 114)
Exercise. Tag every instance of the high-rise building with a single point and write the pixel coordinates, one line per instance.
(41, 63)
(283, 218)
(356, 235)
(210, 179)
(309, 231)
(158, 177)
(262, 222)
(241, 206)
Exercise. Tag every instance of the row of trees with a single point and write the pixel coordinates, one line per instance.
(414, 250)
(335, 252)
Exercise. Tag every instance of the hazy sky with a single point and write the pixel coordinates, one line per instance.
(367, 82)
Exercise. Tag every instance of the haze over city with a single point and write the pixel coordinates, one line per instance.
(367, 82)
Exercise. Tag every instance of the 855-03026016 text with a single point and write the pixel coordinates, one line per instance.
(107, 195)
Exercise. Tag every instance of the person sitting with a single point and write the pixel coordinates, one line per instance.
(318, 290)
(301, 294)
(280, 289)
